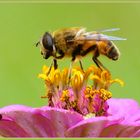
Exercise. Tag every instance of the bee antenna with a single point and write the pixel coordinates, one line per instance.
(36, 44)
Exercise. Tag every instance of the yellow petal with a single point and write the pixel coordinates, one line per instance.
(87, 73)
(77, 80)
(95, 77)
(117, 81)
(57, 77)
(64, 76)
(45, 69)
(43, 76)
(105, 75)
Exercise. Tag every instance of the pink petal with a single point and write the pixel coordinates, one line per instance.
(130, 131)
(123, 108)
(91, 127)
(136, 134)
(9, 128)
(120, 130)
(36, 122)
(134, 117)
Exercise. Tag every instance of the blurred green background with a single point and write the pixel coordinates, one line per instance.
(21, 26)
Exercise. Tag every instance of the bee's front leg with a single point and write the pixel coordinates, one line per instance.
(53, 63)
(61, 55)
(57, 57)
(50, 68)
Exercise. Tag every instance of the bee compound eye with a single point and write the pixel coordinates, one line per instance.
(47, 41)
(113, 54)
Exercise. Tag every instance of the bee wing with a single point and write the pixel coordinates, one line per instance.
(99, 37)
(108, 30)
(102, 30)
(81, 31)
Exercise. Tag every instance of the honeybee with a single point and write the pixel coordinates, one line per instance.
(76, 43)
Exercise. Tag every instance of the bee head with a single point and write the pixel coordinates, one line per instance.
(112, 51)
(47, 45)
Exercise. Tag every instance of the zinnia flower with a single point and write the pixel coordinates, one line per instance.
(79, 106)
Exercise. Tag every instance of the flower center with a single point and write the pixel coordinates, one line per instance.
(75, 94)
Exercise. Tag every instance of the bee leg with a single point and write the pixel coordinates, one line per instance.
(61, 55)
(70, 69)
(69, 72)
(96, 62)
(81, 65)
(94, 58)
(99, 64)
(55, 64)
(50, 68)
(37, 43)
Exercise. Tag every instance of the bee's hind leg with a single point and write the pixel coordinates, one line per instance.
(70, 69)
(99, 64)
(55, 64)
(69, 72)
(81, 66)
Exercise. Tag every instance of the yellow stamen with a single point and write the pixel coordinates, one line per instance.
(88, 92)
(105, 95)
(65, 95)
(74, 104)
